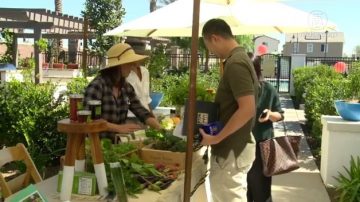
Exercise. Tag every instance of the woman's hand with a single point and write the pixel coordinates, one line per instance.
(270, 115)
(264, 116)
(124, 128)
(208, 139)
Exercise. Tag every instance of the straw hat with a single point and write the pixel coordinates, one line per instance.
(122, 53)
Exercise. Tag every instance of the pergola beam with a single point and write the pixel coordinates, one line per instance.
(77, 35)
(26, 25)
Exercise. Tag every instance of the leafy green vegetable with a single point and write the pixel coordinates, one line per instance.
(164, 140)
(135, 172)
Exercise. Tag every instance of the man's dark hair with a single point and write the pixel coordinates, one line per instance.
(218, 27)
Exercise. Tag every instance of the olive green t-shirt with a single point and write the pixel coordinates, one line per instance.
(268, 99)
(239, 79)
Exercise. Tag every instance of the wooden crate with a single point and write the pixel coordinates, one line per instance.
(169, 158)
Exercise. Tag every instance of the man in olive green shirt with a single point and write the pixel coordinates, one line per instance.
(233, 149)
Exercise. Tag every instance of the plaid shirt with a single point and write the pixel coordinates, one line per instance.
(114, 109)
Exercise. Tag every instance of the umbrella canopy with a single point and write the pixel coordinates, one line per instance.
(244, 17)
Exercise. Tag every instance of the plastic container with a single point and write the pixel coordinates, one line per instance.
(84, 116)
(348, 110)
(76, 104)
(95, 108)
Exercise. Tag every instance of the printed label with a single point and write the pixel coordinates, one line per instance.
(202, 118)
(85, 185)
(98, 110)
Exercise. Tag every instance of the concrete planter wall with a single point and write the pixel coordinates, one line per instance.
(340, 139)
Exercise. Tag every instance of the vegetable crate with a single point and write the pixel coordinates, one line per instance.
(168, 158)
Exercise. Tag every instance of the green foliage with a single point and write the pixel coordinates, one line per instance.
(103, 15)
(158, 62)
(354, 80)
(305, 77)
(246, 41)
(29, 115)
(8, 38)
(77, 86)
(176, 87)
(42, 44)
(28, 68)
(320, 97)
(134, 169)
(349, 183)
(164, 140)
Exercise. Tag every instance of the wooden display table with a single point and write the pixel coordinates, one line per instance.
(174, 193)
(75, 153)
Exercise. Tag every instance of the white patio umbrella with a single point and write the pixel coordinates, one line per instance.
(244, 17)
(183, 18)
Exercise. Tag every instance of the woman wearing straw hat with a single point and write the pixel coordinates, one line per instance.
(116, 95)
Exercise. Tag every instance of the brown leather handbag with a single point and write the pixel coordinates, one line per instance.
(279, 154)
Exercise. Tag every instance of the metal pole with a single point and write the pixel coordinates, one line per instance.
(192, 99)
(84, 53)
(326, 48)
(297, 43)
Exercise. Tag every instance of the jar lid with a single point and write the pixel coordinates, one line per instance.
(76, 96)
(83, 112)
(94, 102)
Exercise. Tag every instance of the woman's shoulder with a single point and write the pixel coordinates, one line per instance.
(267, 85)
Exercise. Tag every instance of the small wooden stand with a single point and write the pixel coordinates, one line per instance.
(75, 153)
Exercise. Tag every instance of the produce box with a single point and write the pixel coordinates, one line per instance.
(136, 138)
(168, 158)
(84, 183)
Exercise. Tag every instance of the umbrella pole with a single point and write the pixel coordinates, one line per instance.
(192, 99)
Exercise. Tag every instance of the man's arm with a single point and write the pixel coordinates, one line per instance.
(246, 110)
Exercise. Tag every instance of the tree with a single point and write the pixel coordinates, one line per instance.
(58, 9)
(357, 50)
(166, 2)
(8, 39)
(152, 5)
(246, 41)
(103, 15)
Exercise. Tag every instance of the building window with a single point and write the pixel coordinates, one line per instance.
(296, 48)
(322, 49)
(310, 48)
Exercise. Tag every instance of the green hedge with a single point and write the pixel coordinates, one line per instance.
(322, 86)
(29, 114)
(320, 97)
(306, 76)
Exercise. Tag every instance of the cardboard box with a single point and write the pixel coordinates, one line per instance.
(83, 183)
(169, 158)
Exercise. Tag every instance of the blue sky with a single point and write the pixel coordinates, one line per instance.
(344, 13)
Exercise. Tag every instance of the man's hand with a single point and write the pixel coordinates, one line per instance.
(208, 139)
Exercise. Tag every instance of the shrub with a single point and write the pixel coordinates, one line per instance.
(77, 86)
(158, 62)
(176, 87)
(349, 184)
(29, 114)
(320, 97)
(354, 80)
(305, 77)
